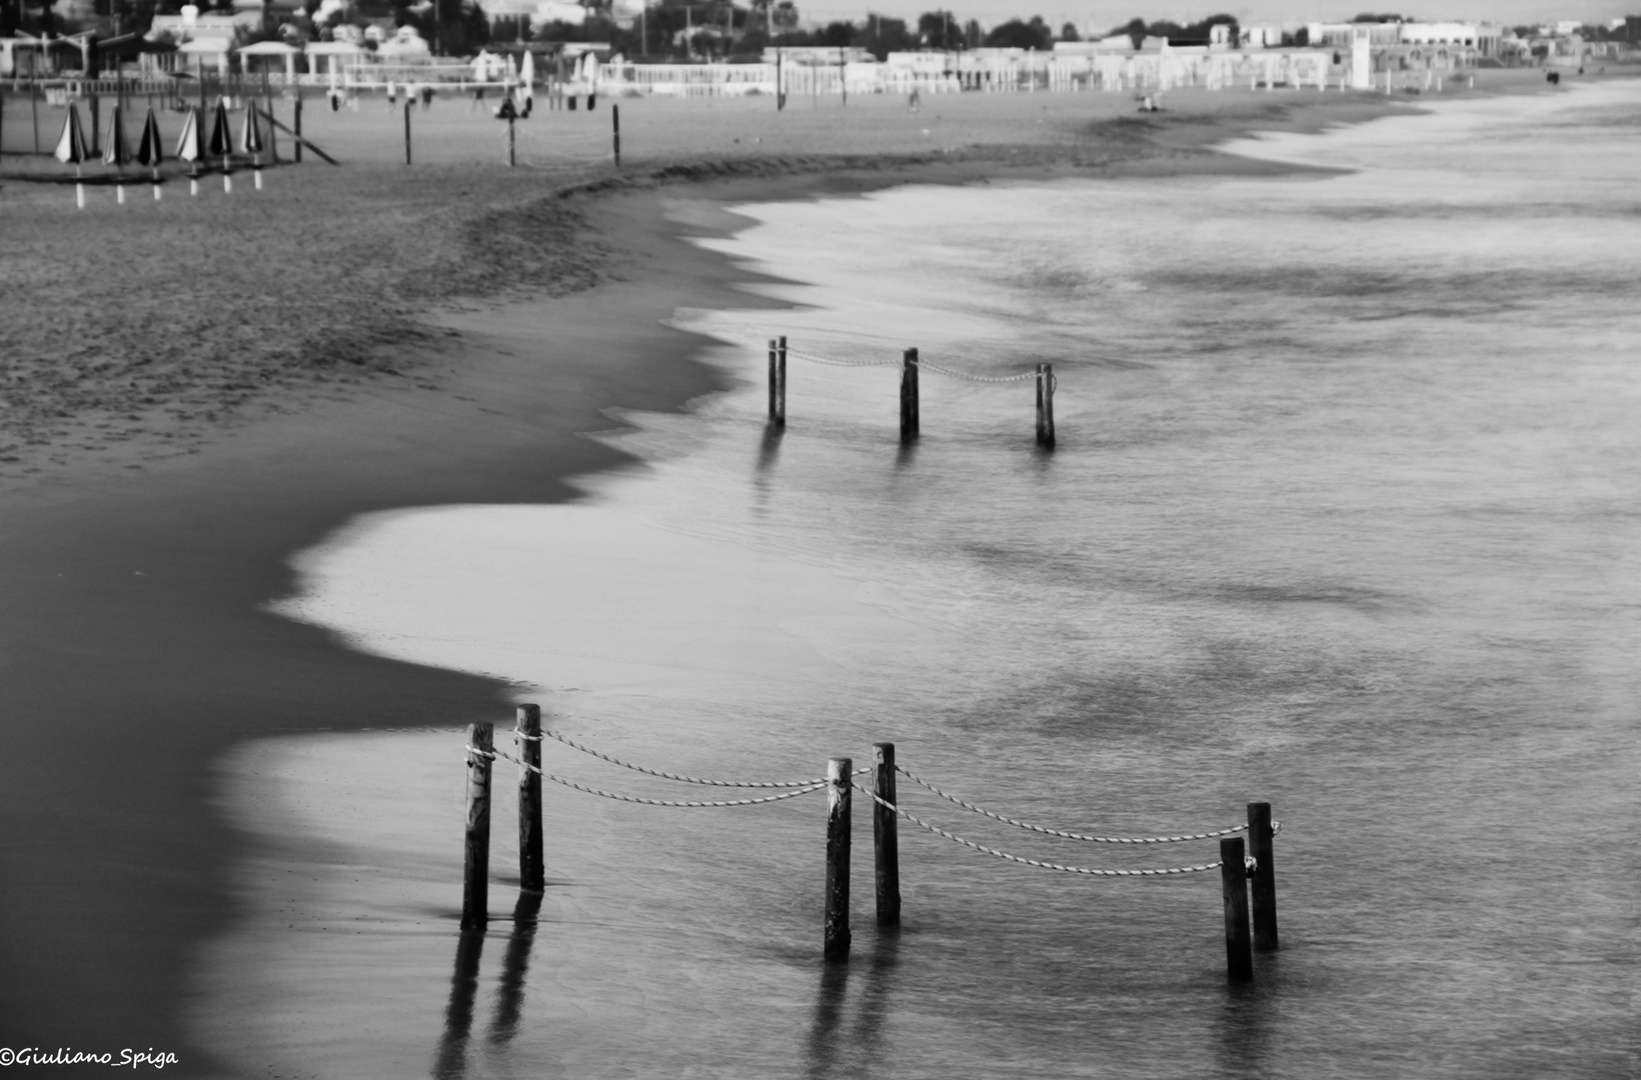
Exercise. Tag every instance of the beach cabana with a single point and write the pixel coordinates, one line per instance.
(199, 50)
(264, 55)
(333, 57)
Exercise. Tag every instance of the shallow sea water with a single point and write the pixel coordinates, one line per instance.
(1345, 515)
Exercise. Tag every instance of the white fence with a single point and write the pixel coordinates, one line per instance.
(934, 73)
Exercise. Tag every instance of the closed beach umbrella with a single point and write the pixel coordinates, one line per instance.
(116, 148)
(250, 142)
(72, 149)
(189, 149)
(222, 142)
(527, 75)
(117, 151)
(149, 150)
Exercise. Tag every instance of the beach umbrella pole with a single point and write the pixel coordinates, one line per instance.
(227, 177)
(193, 180)
(156, 184)
(79, 188)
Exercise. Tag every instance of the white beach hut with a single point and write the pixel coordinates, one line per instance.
(267, 54)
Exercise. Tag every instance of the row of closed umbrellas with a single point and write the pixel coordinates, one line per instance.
(75, 148)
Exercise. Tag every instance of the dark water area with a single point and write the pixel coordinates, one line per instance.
(1345, 515)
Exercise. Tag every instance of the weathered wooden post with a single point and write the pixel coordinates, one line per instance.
(886, 837)
(1239, 959)
(296, 123)
(780, 381)
(838, 780)
(512, 159)
(532, 871)
(774, 384)
(407, 131)
(1261, 838)
(1045, 405)
(476, 879)
(615, 129)
(909, 426)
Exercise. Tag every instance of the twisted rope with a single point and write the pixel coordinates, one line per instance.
(932, 366)
(640, 799)
(1159, 872)
(693, 779)
(819, 358)
(834, 361)
(1071, 835)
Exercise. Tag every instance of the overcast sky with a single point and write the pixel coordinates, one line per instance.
(1107, 13)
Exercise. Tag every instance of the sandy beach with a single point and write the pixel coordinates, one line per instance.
(193, 390)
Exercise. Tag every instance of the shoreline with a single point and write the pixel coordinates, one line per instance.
(136, 601)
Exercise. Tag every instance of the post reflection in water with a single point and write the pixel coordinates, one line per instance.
(831, 1054)
(452, 1062)
(769, 453)
(510, 994)
(1242, 1029)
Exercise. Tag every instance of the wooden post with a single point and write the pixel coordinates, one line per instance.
(780, 371)
(838, 780)
(296, 122)
(1239, 959)
(615, 129)
(774, 384)
(1045, 405)
(886, 837)
(512, 161)
(909, 425)
(476, 878)
(532, 869)
(1263, 883)
(407, 131)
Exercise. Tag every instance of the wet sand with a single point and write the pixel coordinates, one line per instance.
(135, 647)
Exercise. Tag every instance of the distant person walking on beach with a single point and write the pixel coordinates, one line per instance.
(913, 102)
(393, 95)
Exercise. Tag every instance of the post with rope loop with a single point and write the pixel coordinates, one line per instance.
(1045, 406)
(886, 837)
(909, 419)
(839, 779)
(780, 397)
(532, 870)
(1233, 870)
(1262, 884)
(476, 874)
(777, 381)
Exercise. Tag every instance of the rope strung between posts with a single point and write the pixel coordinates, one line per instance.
(1071, 835)
(836, 362)
(473, 750)
(1091, 872)
(930, 365)
(811, 782)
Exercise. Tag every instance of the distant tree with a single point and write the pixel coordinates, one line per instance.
(886, 35)
(1134, 28)
(972, 35)
(940, 30)
(1368, 17)
(1068, 32)
(1016, 34)
(836, 35)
